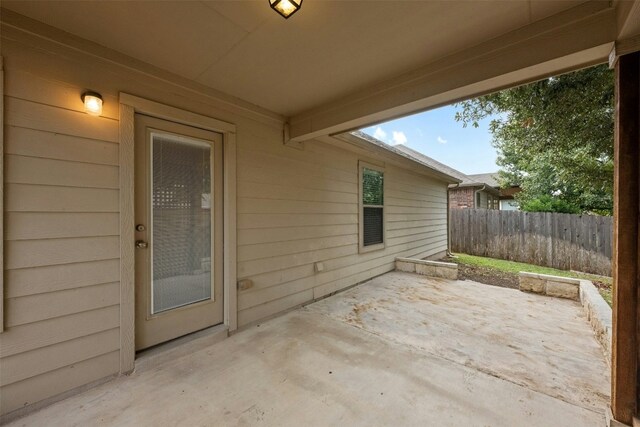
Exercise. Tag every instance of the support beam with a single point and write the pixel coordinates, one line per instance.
(575, 38)
(623, 47)
(1, 194)
(626, 261)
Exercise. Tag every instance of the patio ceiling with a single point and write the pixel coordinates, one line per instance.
(311, 67)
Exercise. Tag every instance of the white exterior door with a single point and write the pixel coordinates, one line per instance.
(178, 212)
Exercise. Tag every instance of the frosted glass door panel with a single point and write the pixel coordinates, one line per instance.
(181, 221)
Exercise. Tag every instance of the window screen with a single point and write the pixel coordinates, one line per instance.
(373, 202)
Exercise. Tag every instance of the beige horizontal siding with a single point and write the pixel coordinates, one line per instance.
(62, 247)
(51, 383)
(257, 251)
(322, 165)
(407, 189)
(295, 208)
(298, 180)
(252, 220)
(36, 280)
(254, 236)
(41, 334)
(33, 363)
(271, 263)
(416, 203)
(62, 210)
(39, 307)
(400, 217)
(35, 253)
(399, 225)
(411, 231)
(404, 210)
(51, 225)
(47, 145)
(32, 115)
(272, 307)
(335, 268)
(34, 87)
(46, 198)
(298, 207)
(36, 170)
(260, 190)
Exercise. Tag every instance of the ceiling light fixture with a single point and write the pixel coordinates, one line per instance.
(285, 8)
(92, 103)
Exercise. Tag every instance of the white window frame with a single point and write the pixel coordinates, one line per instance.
(370, 248)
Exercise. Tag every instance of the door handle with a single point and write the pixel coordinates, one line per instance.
(141, 244)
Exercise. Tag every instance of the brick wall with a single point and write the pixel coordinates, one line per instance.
(462, 198)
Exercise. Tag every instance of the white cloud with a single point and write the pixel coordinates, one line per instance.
(380, 134)
(399, 138)
(441, 140)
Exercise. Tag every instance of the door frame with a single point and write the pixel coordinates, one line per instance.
(129, 106)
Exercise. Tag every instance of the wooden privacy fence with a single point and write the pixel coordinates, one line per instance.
(563, 241)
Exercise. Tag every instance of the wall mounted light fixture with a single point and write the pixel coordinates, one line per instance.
(285, 8)
(92, 103)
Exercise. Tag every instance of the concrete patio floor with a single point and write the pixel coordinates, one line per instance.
(401, 349)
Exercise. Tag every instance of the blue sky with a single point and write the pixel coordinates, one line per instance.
(437, 134)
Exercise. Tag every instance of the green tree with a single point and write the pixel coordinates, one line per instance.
(555, 139)
(546, 203)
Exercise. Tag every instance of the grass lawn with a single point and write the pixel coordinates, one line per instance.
(602, 283)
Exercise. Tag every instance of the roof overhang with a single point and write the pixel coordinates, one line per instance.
(375, 147)
(337, 66)
(480, 185)
(573, 39)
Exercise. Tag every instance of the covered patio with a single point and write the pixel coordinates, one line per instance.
(277, 101)
(401, 349)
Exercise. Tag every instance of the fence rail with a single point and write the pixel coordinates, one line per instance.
(563, 241)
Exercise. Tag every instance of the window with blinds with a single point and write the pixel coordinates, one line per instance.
(372, 216)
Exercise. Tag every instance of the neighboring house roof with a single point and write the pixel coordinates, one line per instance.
(451, 175)
(489, 178)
